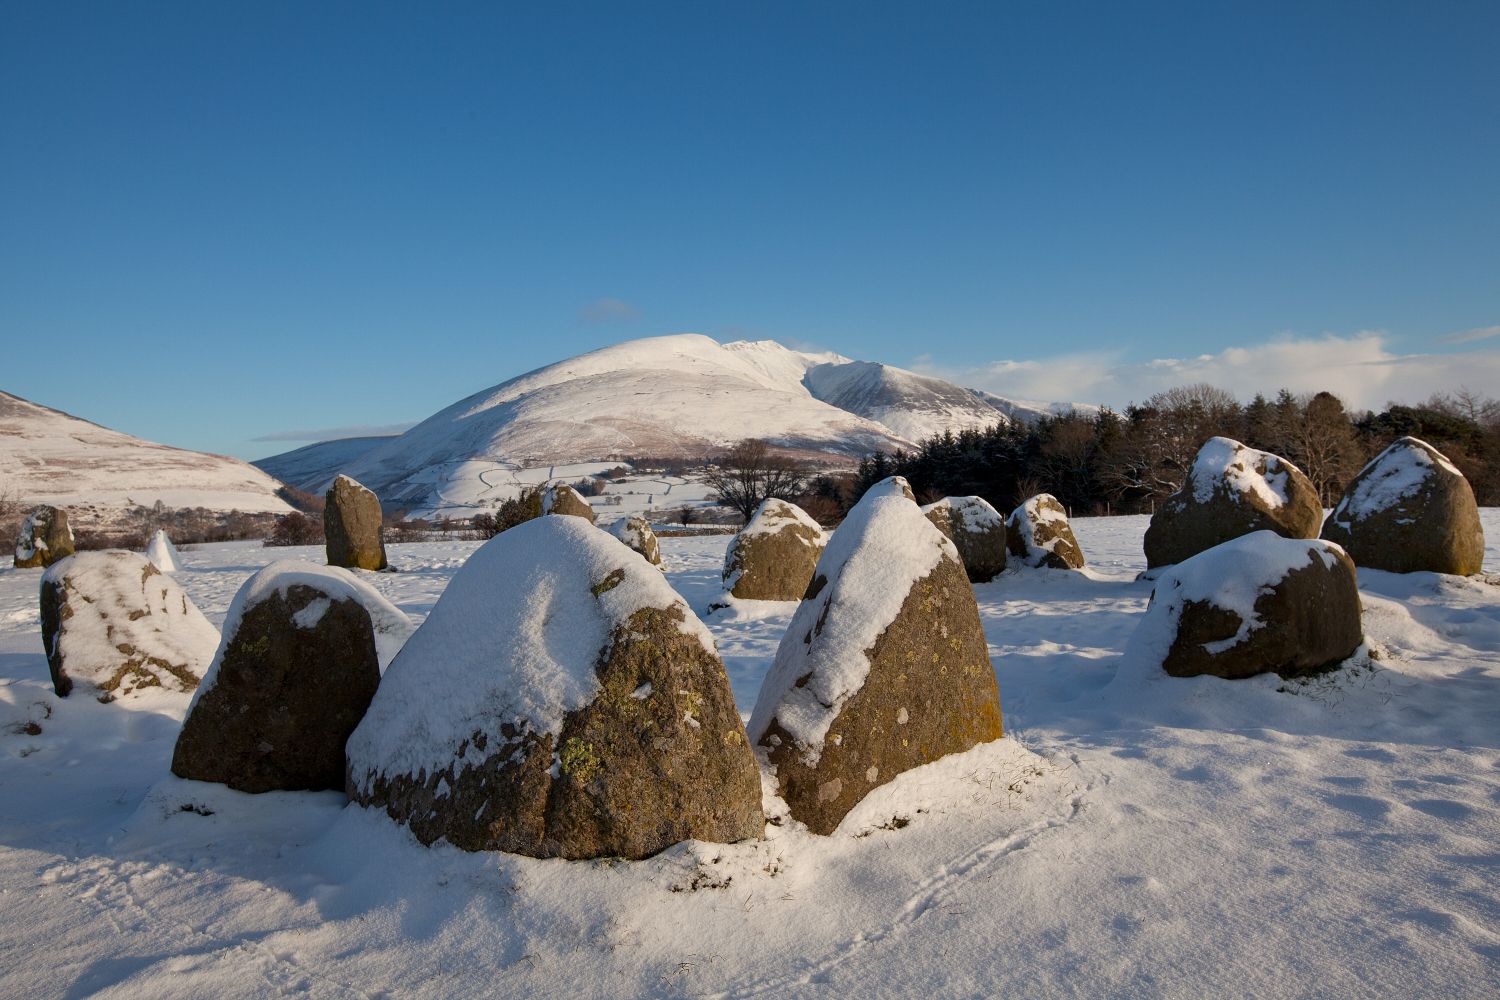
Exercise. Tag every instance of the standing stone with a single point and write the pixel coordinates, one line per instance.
(1230, 491)
(560, 498)
(976, 529)
(115, 626)
(883, 668)
(635, 531)
(1410, 510)
(561, 700)
(1039, 535)
(351, 526)
(45, 537)
(296, 670)
(1256, 604)
(773, 556)
(162, 553)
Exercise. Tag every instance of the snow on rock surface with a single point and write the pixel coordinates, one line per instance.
(115, 626)
(1139, 836)
(976, 529)
(773, 556)
(1258, 603)
(1232, 490)
(162, 553)
(635, 531)
(560, 498)
(1038, 534)
(44, 538)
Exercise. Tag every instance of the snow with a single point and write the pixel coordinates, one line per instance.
(881, 550)
(515, 638)
(392, 627)
(1224, 461)
(1186, 837)
(1027, 517)
(32, 539)
(55, 458)
(1390, 477)
(773, 515)
(109, 589)
(1232, 576)
(162, 553)
(913, 406)
(970, 513)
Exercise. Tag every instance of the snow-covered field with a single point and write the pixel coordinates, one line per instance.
(1135, 835)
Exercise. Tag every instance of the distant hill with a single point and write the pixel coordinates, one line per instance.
(48, 456)
(311, 468)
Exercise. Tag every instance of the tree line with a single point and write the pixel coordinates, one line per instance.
(1129, 461)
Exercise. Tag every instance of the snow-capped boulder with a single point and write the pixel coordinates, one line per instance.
(162, 553)
(1409, 510)
(560, 701)
(774, 555)
(560, 498)
(298, 665)
(113, 625)
(976, 529)
(44, 538)
(1232, 490)
(883, 668)
(635, 531)
(351, 526)
(1256, 604)
(1038, 534)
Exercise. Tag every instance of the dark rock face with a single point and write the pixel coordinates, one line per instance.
(635, 531)
(564, 499)
(351, 526)
(116, 626)
(1231, 491)
(774, 555)
(929, 689)
(654, 756)
(45, 538)
(1038, 534)
(1307, 620)
(1410, 510)
(287, 689)
(976, 529)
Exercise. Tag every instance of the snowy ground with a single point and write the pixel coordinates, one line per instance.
(1149, 837)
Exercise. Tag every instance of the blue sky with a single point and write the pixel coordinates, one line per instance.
(224, 222)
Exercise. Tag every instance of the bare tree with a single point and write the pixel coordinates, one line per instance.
(748, 474)
(1323, 443)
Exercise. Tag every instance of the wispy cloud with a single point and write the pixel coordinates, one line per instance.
(609, 311)
(334, 433)
(1470, 336)
(1360, 369)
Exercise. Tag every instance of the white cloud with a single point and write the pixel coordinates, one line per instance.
(609, 311)
(1360, 369)
(1469, 336)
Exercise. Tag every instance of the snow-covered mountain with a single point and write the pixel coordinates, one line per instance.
(1029, 411)
(48, 456)
(682, 395)
(312, 466)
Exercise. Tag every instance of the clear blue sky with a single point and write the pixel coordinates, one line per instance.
(220, 221)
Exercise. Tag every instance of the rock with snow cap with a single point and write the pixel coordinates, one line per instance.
(560, 498)
(561, 700)
(115, 626)
(635, 531)
(45, 537)
(351, 526)
(162, 553)
(773, 556)
(298, 665)
(976, 529)
(1038, 534)
(1409, 510)
(1260, 603)
(883, 668)
(1232, 490)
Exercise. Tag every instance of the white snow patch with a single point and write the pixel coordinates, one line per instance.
(1390, 477)
(1224, 461)
(162, 553)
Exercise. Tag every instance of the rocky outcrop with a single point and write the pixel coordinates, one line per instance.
(773, 556)
(292, 678)
(976, 529)
(1232, 490)
(351, 526)
(114, 626)
(1409, 510)
(1038, 534)
(45, 538)
(1256, 604)
(560, 701)
(883, 668)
